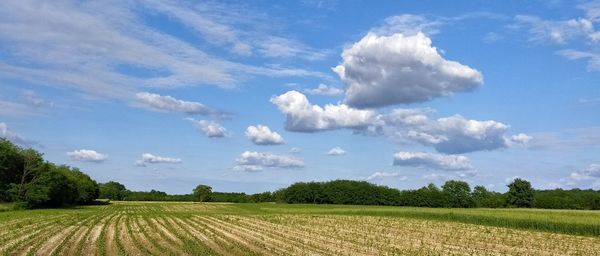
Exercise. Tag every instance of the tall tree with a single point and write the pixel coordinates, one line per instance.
(520, 194)
(32, 161)
(458, 194)
(11, 163)
(202, 193)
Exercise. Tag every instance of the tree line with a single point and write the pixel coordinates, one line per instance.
(453, 194)
(30, 181)
(116, 191)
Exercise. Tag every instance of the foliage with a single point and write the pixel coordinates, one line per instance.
(11, 164)
(457, 194)
(567, 199)
(202, 193)
(487, 199)
(341, 192)
(520, 194)
(31, 182)
(112, 190)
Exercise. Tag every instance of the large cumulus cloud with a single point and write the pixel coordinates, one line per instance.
(386, 70)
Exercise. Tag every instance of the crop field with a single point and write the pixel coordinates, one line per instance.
(158, 228)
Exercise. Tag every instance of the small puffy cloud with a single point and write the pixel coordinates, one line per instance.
(521, 138)
(337, 151)
(302, 116)
(7, 133)
(384, 175)
(323, 89)
(398, 69)
(432, 161)
(257, 161)
(168, 103)
(87, 155)
(262, 135)
(148, 158)
(209, 128)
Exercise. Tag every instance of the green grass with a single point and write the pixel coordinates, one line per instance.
(574, 222)
(6, 207)
(174, 228)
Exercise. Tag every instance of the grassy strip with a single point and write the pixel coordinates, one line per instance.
(585, 223)
(522, 224)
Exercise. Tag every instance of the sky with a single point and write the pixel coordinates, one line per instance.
(252, 96)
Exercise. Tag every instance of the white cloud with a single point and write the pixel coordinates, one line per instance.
(557, 31)
(7, 133)
(592, 57)
(257, 161)
(574, 31)
(148, 158)
(87, 155)
(451, 135)
(90, 46)
(279, 47)
(8, 108)
(262, 135)
(209, 128)
(386, 70)
(409, 24)
(592, 172)
(337, 151)
(302, 116)
(384, 175)
(521, 138)
(168, 103)
(323, 89)
(432, 161)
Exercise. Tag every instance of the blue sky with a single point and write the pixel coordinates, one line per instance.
(253, 96)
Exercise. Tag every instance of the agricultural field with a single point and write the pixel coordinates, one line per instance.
(160, 228)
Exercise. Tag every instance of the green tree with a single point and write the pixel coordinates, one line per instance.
(52, 187)
(112, 190)
(458, 194)
(520, 194)
(488, 199)
(32, 163)
(202, 193)
(87, 188)
(11, 163)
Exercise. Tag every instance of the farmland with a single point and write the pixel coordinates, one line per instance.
(159, 228)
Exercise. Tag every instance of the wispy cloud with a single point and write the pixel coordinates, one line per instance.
(87, 46)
